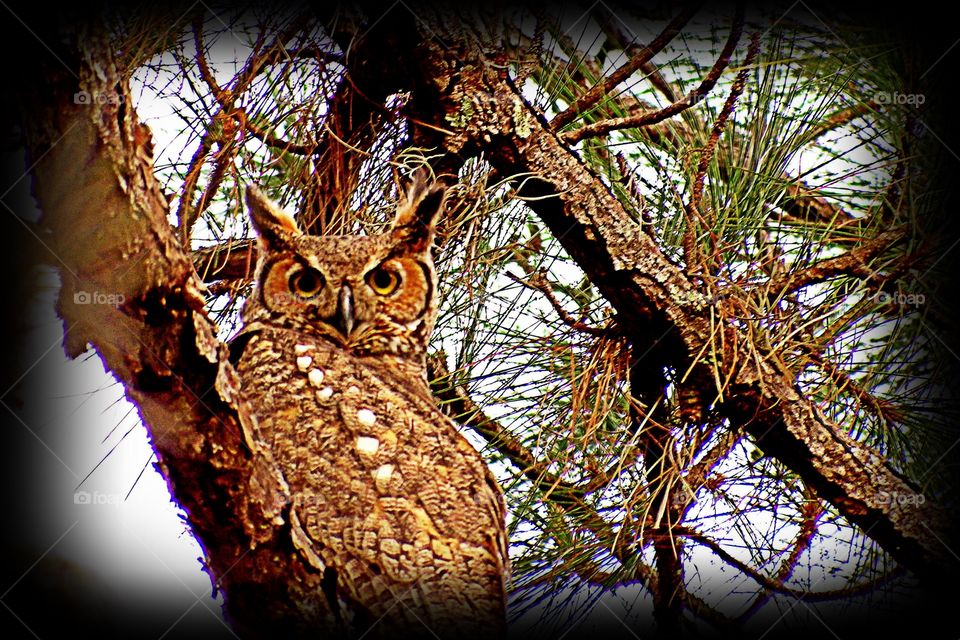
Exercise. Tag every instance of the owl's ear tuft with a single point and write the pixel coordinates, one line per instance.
(273, 225)
(417, 214)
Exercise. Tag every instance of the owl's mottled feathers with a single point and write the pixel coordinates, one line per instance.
(390, 505)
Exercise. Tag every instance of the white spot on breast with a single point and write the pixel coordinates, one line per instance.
(366, 417)
(304, 362)
(315, 377)
(382, 476)
(301, 349)
(367, 446)
(325, 394)
(353, 390)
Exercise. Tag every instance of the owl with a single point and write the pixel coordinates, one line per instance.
(397, 516)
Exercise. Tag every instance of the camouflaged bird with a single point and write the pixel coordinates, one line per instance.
(389, 503)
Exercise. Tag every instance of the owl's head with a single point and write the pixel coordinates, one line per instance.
(371, 295)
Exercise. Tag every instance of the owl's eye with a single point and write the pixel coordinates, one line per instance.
(383, 281)
(306, 283)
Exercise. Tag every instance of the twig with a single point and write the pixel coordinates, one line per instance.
(852, 263)
(721, 122)
(184, 217)
(538, 281)
(775, 585)
(696, 476)
(556, 491)
(187, 214)
(840, 118)
(692, 253)
(810, 512)
(800, 203)
(638, 59)
(463, 410)
(844, 382)
(693, 97)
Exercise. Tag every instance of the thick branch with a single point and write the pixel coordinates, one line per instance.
(480, 105)
(95, 184)
(655, 439)
(228, 261)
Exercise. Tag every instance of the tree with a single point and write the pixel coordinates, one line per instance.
(691, 314)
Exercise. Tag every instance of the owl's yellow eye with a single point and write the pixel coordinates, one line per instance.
(306, 283)
(383, 281)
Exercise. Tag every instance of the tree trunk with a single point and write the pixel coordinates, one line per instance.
(130, 291)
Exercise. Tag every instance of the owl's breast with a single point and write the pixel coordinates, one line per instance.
(356, 441)
(317, 404)
(385, 489)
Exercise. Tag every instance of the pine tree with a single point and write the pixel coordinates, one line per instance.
(693, 306)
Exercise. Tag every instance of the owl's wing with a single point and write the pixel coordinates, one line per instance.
(403, 507)
(238, 343)
(391, 506)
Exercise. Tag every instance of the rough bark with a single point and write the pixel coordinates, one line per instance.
(130, 291)
(484, 111)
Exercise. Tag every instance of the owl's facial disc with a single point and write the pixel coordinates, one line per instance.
(359, 293)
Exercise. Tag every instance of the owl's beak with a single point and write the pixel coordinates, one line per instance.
(345, 318)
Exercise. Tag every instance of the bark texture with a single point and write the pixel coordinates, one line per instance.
(130, 291)
(482, 110)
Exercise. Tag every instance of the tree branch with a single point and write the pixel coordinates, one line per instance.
(693, 97)
(464, 411)
(232, 260)
(637, 60)
(94, 181)
(650, 292)
(774, 584)
(538, 282)
(693, 254)
(852, 263)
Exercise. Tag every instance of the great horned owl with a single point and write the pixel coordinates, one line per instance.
(396, 512)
